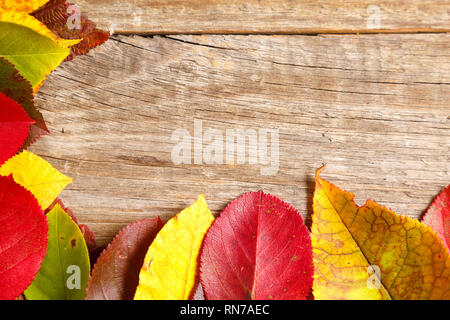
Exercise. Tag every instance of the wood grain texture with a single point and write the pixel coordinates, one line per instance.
(374, 108)
(269, 17)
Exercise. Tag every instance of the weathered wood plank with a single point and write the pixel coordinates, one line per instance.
(374, 108)
(272, 17)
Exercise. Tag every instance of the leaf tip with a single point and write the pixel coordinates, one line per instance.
(319, 171)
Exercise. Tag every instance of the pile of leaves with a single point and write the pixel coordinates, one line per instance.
(38, 237)
(258, 248)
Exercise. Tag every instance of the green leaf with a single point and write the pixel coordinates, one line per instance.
(34, 55)
(65, 270)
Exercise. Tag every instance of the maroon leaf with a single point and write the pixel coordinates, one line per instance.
(259, 248)
(116, 273)
(56, 15)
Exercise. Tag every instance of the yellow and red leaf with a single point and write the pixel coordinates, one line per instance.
(352, 243)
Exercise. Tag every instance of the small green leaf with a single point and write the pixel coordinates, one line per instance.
(34, 55)
(65, 270)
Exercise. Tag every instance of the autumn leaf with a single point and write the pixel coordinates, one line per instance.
(116, 272)
(24, 19)
(22, 5)
(14, 127)
(13, 85)
(350, 243)
(34, 58)
(23, 238)
(170, 266)
(437, 216)
(60, 17)
(87, 233)
(65, 270)
(36, 175)
(259, 248)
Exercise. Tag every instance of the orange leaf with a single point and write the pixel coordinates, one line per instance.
(22, 5)
(370, 252)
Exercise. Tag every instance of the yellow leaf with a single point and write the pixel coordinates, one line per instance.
(37, 176)
(350, 243)
(22, 5)
(170, 266)
(24, 19)
(38, 87)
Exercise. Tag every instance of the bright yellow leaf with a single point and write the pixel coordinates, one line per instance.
(37, 176)
(170, 266)
(22, 5)
(350, 243)
(24, 19)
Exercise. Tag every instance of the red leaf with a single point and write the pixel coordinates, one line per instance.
(56, 14)
(259, 248)
(23, 238)
(437, 216)
(16, 87)
(14, 126)
(116, 273)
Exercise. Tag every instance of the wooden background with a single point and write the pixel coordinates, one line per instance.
(372, 104)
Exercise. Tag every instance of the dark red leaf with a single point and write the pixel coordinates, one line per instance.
(23, 238)
(14, 126)
(116, 273)
(16, 87)
(259, 248)
(437, 216)
(91, 243)
(55, 15)
(90, 41)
